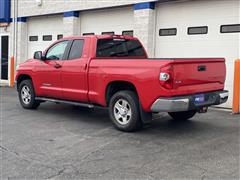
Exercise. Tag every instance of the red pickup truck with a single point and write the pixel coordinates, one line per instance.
(114, 71)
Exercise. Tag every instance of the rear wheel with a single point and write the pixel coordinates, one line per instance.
(26, 95)
(124, 111)
(185, 115)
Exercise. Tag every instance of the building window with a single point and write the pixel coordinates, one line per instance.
(85, 34)
(110, 32)
(197, 30)
(168, 32)
(129, 33)
(47, 37)
(33, 38)
(232, 28)
(60, 36)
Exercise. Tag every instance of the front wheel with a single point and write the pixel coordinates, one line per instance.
(185, 115)
(26, 95)
(124, 111)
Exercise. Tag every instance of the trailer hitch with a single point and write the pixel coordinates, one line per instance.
(203, 110)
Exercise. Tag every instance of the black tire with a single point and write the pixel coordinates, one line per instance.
(134, 123)
(182, 116)
(32, 104)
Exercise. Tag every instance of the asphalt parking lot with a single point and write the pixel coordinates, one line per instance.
(62, 142)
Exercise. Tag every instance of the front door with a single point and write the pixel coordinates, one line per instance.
(4, 55)
(48, 71)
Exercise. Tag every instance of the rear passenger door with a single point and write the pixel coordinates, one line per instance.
(74, 73)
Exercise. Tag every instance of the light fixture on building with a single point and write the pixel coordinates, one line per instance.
(39, 2)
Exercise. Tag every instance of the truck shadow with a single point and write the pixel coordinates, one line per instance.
(162, 123)
(74, 113)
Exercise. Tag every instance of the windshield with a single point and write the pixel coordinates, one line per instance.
(119, 48)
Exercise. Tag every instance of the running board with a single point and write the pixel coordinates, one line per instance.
(64, 102)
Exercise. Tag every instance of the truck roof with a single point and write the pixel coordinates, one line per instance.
(104, 36)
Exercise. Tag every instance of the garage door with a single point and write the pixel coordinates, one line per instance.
(194, 29)
(107, 21)
(42, 31)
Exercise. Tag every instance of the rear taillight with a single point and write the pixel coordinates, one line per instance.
(166, 77)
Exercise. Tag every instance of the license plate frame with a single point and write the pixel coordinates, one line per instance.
(199, 99)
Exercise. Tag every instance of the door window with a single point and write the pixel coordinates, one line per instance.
(232, 28)
(197, 30)
(47, 38)
(168, 32)
(76, 49)
(57, 51)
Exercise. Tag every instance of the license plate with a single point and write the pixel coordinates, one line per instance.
(199, 98)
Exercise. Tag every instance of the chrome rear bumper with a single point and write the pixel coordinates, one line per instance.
(186, 103)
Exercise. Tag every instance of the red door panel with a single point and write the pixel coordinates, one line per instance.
(74, 80)
(49, 78)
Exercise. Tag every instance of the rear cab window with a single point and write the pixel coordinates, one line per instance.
(120, 48)
(76, 49)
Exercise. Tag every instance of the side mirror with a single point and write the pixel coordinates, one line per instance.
(38, 55)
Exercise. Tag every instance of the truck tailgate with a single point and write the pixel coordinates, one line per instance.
(198, 72)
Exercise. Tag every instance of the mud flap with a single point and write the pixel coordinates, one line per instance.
(146, 117)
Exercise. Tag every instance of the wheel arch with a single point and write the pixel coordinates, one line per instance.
(116, 86)
(21, 78)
